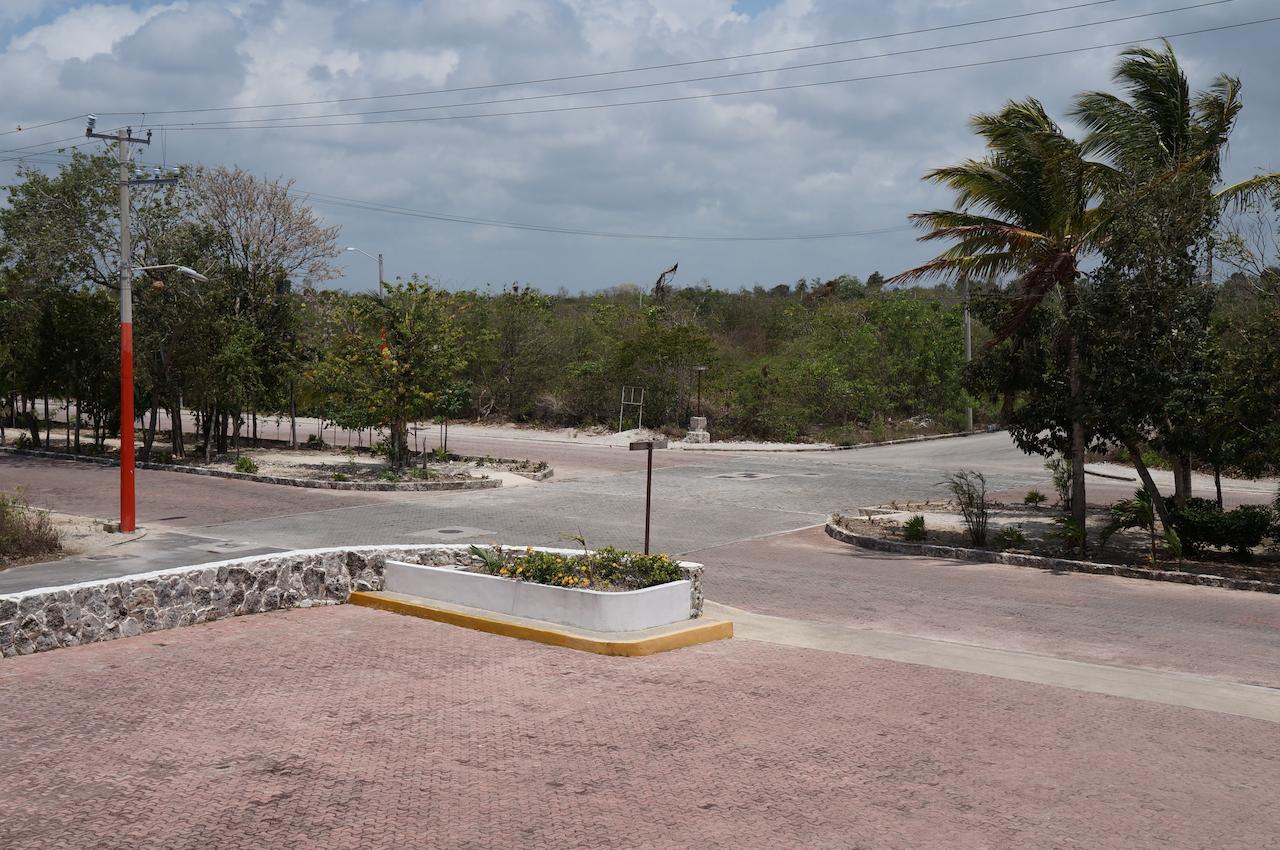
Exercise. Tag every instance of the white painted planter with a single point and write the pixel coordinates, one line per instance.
(604, 611)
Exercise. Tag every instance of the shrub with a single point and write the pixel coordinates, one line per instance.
(1138, 512)
(1060, 469)
(604, 568)
(970, 491)
(1034, 497)
(1009, 537)
(1070, 532)
(389, 475)
(423, 474)
(314, 442)
(1201, 523)
(439, 455)
(341, 476)
(247, 464)
(25, 532)
(22, 441)
(913, 529)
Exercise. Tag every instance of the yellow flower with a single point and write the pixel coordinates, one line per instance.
(504, 571)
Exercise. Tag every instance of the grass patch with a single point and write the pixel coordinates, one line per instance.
(24, 531)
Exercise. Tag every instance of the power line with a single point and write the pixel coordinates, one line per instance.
(21, 129)
(583, 76)
(710, 95)
(708, 78)
(389, 209)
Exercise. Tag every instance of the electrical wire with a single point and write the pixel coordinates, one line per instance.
(370, 206)
(639, 69)
(708, 78)
(710, 95)
(21, 129)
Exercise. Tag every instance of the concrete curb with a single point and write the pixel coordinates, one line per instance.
(712, 447)
(562, 636)
(378, 486)
(1014, 559)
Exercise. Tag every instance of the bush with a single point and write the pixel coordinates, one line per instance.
(1201, 523)
(247, 464)
(913, 529)
(314, 442)
(1060, 469)
(389, 475)
(970, 491)
(340, 476)
(606, 567)
(423, 474)
(1034, 497)
(22, 441)
(1009, 537)
(25, 532)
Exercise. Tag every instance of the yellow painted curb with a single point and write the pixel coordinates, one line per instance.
(702, 632)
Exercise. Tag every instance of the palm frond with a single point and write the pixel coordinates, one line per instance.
(1240, 195)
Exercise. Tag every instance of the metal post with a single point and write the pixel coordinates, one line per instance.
(381, 281)
(648, 497)
(968, 343)
(127, 507)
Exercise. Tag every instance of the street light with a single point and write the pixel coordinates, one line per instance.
(182, 270)
(370, 256)
(647, 446)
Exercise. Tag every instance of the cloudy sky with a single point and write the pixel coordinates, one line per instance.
(841, 158)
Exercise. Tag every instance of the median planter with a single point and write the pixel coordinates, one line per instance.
(604, 611)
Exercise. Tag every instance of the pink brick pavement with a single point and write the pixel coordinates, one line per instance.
(351, 728)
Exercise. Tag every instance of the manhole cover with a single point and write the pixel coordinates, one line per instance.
(449, 531)
(464, 531)
(742, 476)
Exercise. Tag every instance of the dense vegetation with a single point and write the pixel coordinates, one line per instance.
(832, 359)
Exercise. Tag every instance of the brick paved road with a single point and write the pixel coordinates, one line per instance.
(351, 728)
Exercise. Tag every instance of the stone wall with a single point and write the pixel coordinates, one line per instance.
(103, 610)
(47, 618)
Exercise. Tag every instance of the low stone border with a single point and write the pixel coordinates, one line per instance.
(409, 486)
(541, 475)
(86, 612)
(1015, 559)
(713, 447)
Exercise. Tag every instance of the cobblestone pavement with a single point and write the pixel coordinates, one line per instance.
(1226, 634)
(351, 728)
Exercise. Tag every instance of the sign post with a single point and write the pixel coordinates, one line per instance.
(647, 446)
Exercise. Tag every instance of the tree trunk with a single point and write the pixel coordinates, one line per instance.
(1157, 501)
(1181, 463)
(149, 434)
(237, 421)
(33, 425)
(47, 424)
(293, 418)
(1078, 506)
(255, 429)
(208, 418)
(77, 429)
(1217, 483)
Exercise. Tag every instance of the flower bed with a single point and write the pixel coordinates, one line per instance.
(608, 591)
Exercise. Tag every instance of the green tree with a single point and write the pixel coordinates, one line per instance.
(392, 361)
(1027, 209)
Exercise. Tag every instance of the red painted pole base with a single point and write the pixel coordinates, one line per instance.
(127, 513)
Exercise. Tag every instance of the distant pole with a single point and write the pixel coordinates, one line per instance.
(381, 280)
(968, 343)
(700, 370)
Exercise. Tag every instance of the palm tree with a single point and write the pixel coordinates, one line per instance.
(1162, 136)
(1028, 208)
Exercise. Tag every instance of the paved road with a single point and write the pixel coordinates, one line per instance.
(733, 511)
(351, 728)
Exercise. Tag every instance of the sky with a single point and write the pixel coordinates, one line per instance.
(832, 158)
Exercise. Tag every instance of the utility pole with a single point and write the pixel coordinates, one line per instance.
(968, 342)
(123, 138)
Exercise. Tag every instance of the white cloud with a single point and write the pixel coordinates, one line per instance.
(86, 30)
(828, 158)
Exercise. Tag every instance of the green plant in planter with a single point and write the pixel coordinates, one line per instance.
(913, 529)
(439, 455)
(1070, 532)
(340, 476)
(246, 465)
(422, 474)
(389, 475)
(1034, 498)
(970, 491)
(1009, 537)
